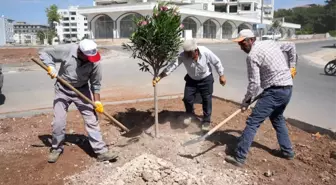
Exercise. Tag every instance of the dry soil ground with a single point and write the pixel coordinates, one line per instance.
(22, 55)
(25, 144)
(17, 55)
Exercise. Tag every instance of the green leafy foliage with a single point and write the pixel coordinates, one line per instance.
(40, 35)
(314, 19)
(157, 38)
(53, 15)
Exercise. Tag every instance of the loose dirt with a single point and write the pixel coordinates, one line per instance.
(25, 144)
(17, 55)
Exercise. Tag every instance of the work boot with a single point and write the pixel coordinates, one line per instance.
(205, 126)
(107, 156)
(233, 160)
(54, 155)
(282, 154)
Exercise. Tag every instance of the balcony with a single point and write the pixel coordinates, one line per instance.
(218, 2)
(109, 2)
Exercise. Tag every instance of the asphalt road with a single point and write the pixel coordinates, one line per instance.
(313, 101)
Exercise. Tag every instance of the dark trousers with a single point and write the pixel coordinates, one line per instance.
(272, 104)
(205, 88)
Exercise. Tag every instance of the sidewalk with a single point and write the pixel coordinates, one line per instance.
(118, 42)
(322, 57)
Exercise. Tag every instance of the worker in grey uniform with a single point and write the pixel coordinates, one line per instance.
(80, 64)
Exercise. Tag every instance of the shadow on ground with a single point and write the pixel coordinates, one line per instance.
(138, 121)
(329, 46)
(224, 137)
(323, 74)
(78, 139)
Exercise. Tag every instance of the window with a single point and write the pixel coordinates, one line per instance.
(85, 18)
(73, 24)
(221, 8)
(233, 9)
(65, 18)
(85, 29)
(72, 13)
(74, 30)
(72, 18)
(246, 7)
(85, 24)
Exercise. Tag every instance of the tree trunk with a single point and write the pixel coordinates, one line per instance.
(156, 112)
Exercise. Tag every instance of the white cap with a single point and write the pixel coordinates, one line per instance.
(243, 34)
(189, 45)
(89, 49)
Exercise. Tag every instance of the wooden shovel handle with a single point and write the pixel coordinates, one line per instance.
(80, 94)
(229, 118)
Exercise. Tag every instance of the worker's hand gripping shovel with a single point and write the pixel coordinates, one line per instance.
(202, 138)
(80, 94)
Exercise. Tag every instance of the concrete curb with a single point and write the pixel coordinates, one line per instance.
(31, 113)
(296, 123)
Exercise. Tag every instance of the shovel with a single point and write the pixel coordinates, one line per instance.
(81, 95)
(202, 138)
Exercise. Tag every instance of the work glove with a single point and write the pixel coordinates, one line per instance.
(52, 72)
(99, 107)
(245, 103)
(293, 71)
(156, 80)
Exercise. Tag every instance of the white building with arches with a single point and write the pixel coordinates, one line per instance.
(110, 20)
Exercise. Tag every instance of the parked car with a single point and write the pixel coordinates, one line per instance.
(271, 36)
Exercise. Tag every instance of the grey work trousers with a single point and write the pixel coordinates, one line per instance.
(63, 98)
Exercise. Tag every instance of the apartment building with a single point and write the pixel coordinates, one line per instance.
(246, 8)
(6, 30)
(211, 19)
(27, 33)
(73, 26)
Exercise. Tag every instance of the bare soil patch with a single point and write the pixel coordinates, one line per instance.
(25, 145)
(17, 55)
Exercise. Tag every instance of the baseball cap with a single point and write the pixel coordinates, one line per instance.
(243, 34)
(189, 45)
(89, 49)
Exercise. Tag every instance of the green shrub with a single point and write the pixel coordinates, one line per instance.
(332, 33)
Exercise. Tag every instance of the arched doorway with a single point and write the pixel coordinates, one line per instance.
(290, 33)
(227, 30)
(209, 29)
(103, 27)
(190, 24)
(243, 26)
(282, 32)
(127, 25)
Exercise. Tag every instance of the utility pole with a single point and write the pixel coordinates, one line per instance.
(261, 17)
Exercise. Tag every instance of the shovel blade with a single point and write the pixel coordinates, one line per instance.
(196, 140)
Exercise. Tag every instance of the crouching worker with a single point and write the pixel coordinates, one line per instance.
(80, 64)
(199, 78)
